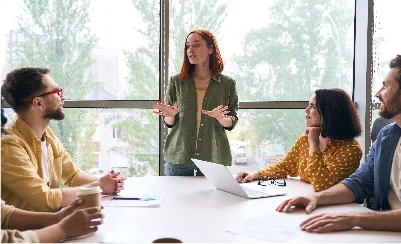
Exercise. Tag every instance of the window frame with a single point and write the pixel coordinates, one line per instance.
(362, 79)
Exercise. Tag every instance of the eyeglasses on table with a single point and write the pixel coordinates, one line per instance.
(268, 182)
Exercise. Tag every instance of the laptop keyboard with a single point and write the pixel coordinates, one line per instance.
(252, 192)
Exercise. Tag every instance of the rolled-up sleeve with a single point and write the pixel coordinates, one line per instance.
(20, 176)
(6, 211)
(361, 183)
(170, 99)
(8, 236)
(233, 106)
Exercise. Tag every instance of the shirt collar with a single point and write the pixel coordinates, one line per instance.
(28, 133)
(214, 78)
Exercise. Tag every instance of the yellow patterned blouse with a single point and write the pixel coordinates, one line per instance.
(322, 170)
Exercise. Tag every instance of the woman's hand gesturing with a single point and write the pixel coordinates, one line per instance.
(218, 112)
(165, 110)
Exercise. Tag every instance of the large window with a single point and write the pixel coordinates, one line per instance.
(95, 49)
(386, 44)
(98, 51)
(276, 50)
(109, 57)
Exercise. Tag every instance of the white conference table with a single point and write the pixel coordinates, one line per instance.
(194, 211)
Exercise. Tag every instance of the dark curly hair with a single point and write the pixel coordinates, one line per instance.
(216, 65)
(340, 120)
(396, 63)
(22, 85)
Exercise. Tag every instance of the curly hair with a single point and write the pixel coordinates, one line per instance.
(396, 63)
(340, 119)
(216, 65)
(22, 85)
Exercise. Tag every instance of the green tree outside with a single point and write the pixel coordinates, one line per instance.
(58, 36)
(296, 58)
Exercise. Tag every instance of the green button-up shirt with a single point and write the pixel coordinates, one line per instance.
(213, 145)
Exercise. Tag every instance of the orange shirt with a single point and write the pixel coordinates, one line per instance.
(322, 170)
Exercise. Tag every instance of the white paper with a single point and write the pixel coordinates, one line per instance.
(273, 227)
(156, 200)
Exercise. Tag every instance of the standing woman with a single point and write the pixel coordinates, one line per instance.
(201, 104)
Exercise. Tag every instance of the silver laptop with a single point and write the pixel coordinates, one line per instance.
(222, 179)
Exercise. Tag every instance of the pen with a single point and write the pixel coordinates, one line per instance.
(127, 198)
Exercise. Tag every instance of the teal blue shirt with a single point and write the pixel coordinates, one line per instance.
(213, 145)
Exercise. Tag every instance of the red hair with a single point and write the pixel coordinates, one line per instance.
(216, 65)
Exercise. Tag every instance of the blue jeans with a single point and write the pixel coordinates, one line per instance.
(181, 169)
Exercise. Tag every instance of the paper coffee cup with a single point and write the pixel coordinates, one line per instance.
(90, 196)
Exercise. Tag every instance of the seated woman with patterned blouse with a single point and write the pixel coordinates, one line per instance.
(327, 152)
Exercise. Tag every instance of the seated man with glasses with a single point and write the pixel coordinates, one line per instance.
(18, 226)
(380, 175)
(33, 160)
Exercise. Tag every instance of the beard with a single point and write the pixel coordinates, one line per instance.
(392, 107)
(56, 114)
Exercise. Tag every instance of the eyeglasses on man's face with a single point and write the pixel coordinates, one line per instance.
(58, 91)
(274, 182)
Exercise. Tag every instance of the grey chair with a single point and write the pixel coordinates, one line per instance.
(377, 125)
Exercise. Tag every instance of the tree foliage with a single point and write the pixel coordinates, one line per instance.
(57, 36)
(289, 58)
